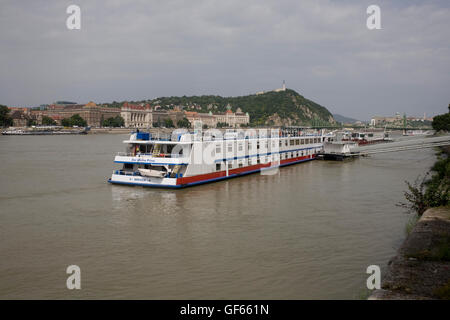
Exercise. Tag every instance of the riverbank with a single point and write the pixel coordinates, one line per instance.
(421, 269)
(154, 131)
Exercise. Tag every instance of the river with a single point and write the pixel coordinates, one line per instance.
(308, 232)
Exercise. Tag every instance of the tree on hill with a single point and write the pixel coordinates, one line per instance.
(5, 118)
(75, 120)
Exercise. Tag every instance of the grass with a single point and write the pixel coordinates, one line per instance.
(363, 294)
(443, 292)
(411, 224)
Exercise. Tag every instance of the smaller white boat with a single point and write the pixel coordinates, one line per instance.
(152, 173)
(417, 133)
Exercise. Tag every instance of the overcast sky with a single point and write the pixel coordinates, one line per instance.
(132, 50)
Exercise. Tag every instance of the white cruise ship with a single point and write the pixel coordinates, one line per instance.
(186, 159)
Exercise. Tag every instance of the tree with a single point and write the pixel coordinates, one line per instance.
(441, 122)
(184, 123)
(5, 118)
(115, 122)
(47, 121)
(75, 120)
(168, 123)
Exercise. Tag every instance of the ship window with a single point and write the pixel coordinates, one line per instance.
(258, 160)
(230, 147)
(291, 142)
(302, 141)
(240, 148)
(297, 142)
(240, 164)
(230, 165)
(218, 148)
(218, 166)
(280, 142)
(128, 166)
(285, 142)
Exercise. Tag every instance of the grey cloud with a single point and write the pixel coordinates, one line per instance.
(130, 50)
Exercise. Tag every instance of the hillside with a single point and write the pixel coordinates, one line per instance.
(271, 108)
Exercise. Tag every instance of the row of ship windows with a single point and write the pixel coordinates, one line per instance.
(262, 159)
(292, 142)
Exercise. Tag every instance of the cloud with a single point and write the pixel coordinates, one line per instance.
(143, 49)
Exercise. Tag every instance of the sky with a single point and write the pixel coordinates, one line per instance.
(136, 49)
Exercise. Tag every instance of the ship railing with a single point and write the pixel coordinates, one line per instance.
(158, 155)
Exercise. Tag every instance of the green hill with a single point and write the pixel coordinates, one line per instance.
(270, 108)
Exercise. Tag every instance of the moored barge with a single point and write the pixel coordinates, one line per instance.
(186, 159)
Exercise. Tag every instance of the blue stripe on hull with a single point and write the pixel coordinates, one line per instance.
(204, 181)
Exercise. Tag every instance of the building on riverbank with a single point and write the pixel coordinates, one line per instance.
(134, 115)
(92, 113)
(230, 118)
(145, 116)
(19, 118)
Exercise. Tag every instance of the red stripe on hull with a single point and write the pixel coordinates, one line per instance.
(221, 174)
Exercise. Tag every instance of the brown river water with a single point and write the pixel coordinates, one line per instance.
(308, 232)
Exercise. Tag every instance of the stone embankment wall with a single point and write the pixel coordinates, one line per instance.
(421, 269)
